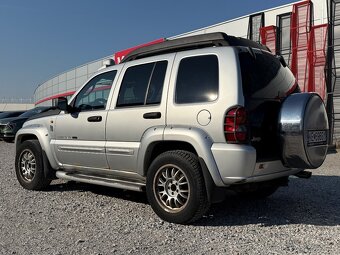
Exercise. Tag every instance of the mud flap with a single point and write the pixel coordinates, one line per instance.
(49, 173)
(215, 194)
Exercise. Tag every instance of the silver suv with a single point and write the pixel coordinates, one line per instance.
(184, 120)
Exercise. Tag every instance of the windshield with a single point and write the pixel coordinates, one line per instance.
(33, 112)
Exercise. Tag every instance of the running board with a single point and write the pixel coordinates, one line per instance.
(113, 183)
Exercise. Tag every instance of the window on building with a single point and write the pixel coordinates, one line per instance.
(283, 41)
(197, 80)
(256, 21)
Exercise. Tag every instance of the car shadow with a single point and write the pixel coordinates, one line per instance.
(313, 202)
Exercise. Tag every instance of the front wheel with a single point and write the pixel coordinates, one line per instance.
(175, 187)
(29, 167)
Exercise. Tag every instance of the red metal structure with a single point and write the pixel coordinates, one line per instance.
(300, 32)
(317, 50)
(268, 37)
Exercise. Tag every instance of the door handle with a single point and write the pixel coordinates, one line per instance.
(152, 115)
(94, 119)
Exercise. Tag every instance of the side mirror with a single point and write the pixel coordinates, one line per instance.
(62, 104)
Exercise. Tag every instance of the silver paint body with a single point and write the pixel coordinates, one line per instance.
(117, 147)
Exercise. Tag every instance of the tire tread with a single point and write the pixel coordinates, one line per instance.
(39, 181)
(202, 203)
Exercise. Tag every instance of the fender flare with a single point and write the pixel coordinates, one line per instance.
(42, 135)
(196, 137)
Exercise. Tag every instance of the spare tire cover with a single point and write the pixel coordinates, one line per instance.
(303, 127)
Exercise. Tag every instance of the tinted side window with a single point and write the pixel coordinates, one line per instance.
(156, 84)
(142, 84)
(95, 93)
(197, 80)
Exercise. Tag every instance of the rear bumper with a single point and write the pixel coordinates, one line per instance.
(237, 164)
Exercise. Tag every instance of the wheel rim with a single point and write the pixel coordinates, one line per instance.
(171, 187)
(27, 165)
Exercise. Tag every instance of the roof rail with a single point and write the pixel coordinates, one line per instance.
(191, 42)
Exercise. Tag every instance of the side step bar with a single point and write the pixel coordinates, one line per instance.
(102, 181)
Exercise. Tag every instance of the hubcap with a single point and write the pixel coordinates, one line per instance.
(172, 188)
(27, 165)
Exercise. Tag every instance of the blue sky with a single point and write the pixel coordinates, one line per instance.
(41, 38)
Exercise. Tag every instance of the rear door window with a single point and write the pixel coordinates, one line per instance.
(142, 85)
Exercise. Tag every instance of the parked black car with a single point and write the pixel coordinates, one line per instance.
(10, 114)
(10, 126)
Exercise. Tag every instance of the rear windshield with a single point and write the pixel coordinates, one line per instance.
(263, 76)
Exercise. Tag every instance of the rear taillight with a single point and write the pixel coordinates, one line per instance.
(235, 128)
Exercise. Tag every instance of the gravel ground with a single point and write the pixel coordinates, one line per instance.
(72, 218)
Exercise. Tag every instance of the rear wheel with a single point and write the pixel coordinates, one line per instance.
(175, 187)
(29, 167)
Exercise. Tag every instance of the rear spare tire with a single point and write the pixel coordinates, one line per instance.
(303, 128)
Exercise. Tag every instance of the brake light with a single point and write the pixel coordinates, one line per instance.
(235, 128)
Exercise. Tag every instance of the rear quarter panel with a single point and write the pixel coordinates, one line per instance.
(229, 93)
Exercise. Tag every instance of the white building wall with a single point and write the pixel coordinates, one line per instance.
(15, 107)
(239, 26)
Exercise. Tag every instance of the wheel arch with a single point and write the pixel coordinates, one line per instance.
(157, 148)
(190, 139)
(31, 170)
(41, 134)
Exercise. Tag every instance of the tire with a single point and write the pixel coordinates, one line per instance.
(29, 167)
(261, 192)
(175, 187)
(303, 131)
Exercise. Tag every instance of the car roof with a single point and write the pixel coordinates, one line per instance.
(191, 42)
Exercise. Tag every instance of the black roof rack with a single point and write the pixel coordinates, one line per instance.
(190, 43)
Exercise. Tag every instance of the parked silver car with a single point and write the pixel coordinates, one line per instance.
(183, 120)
